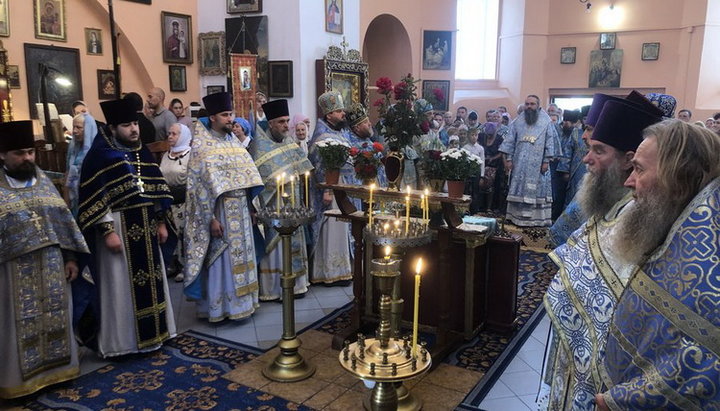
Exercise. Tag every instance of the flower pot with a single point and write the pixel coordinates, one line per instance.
(332, 176)
(455, 188)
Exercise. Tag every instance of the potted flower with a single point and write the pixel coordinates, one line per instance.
(400, 123)
(457, 166)
(433, 173)
(366, 161)
(333, 155)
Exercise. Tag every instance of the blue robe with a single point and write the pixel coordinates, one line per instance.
(529, 198)
(663, 351)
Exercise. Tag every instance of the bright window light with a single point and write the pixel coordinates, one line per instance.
(477, 22)
(572, 103)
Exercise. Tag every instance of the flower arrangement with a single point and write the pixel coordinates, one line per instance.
(400, 123)
(436, 97)
(333, 153)
(457, 164)
(367, 159)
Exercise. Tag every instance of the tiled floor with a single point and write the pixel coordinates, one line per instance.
(517, 387)
(263, 329)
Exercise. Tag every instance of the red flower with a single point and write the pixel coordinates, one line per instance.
(400, 89)
(434, 154)
(378, 147)
(379, 102)
(425, 126)
(367, 154)
(370, 169)
(354, 151)
(439, 95)
(384, 85)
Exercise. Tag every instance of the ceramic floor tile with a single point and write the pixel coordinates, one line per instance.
(499, 390)
(333, 302)
(532, 344)
(243, 334)
(534, 358)
(522, 383)
(504, 404)
(269, 307)
(517, 365)
(307, 303)
(268, 333)
(267, 318)
(308, 316)
(529, 400)
(320, 291)
(264, 345)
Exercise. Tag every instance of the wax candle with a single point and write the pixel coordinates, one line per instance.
(397, 227)
(416, 308)
(388, 250)
(427, 207)
(385, 228)
(407, 214)
(292, 191)
(277, 193)
(282, 184)
(307, 190)
(370, 205)
(422, 206)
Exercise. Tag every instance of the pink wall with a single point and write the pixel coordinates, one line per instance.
(140, 47)
(532, 33)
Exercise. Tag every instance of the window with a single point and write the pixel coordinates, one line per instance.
(476, 51)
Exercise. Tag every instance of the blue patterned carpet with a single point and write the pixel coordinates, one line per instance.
(185, 374)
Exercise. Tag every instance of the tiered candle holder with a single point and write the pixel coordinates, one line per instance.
(289, 365)
(387, 359)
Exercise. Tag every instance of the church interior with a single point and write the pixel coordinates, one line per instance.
(482, 318)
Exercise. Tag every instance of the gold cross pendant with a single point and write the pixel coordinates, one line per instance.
(141, 185)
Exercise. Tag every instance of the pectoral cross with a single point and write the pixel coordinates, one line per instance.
(35, 220)
(141, 185)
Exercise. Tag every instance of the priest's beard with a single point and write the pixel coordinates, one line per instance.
(278, 137)
(531, 116)
(645, 224)
(598, 194)
(23, 172)
(338, 126)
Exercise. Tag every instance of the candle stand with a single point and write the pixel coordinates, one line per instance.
(289, 365)
(387, 359)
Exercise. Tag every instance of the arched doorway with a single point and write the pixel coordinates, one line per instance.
(387, 50)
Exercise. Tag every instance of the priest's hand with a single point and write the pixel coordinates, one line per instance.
(544, 168)
(71, 270)
(162, 233)
(113, 243)
(216, 229)
(508, 166)
(600, 402)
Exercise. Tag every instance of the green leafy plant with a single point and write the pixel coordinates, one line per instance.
(457, 164)
(333, 154)
(400, 123)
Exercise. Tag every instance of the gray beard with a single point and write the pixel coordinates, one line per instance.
(598, 194)
(644, 226)
(531, 116)
(278, 137)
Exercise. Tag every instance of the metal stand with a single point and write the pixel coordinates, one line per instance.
(289, 365)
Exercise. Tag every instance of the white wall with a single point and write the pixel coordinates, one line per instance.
(296, 31)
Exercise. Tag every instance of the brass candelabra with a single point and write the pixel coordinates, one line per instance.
(289, 365)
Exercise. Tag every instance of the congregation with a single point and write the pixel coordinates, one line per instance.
(99, 258)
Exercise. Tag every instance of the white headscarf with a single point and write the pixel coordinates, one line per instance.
(183, 143)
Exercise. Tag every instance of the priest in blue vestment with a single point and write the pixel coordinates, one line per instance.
(39, 246)
(124, 199)
(663, 348)
(221, 265)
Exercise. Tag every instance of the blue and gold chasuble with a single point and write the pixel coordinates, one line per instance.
(663, 351)
(220, 171)
(36, 225)
(580, 301)
(273, 159)
(128, 181)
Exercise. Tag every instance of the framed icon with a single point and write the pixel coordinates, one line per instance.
(334, 16)
(178, 79)
(650, 51)
(437, 49)
(176, 38)
(607, 41)
(437, 92)
(13, 72)
(281, 78)
(215, 89)
(50, 21)
(5, 19)
(244, 6)
(211, 52)
(93, 41)
(106, 84)
(567, 55)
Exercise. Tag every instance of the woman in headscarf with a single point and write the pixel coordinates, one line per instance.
(174, 167)
(84, 130)
(241, 130)
(300, 129)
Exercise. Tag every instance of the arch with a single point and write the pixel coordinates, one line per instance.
(387, 50)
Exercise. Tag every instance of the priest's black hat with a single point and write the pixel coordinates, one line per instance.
(571, 115)
(621, 124)
(647, 105)
(16, 135)
(598, 102)
(584, 111)
(276, 108)
(218, 102)
(119, 111)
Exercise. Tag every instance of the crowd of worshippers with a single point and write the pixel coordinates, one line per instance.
(634, 200)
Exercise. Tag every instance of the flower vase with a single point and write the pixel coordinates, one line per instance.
(455, 188)
(332, 176)
(394, 168)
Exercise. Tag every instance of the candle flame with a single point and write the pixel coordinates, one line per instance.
(388, 250)
(426, 192)
(277, 178)
(284, 174)
(386, 226)
(418, 266)
(408, 190)
(292, 178)
(397, 223)
(307, 173)
(372, 186)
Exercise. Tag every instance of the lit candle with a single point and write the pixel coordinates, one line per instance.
(385, 228)
(388, 250)
(422, 205)
(277, 193)
(292, 191)
(427, 207)
(370, 211)
(416, 308)
(282, 184)
(397, 226)
(407, 214)
(307, 190)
